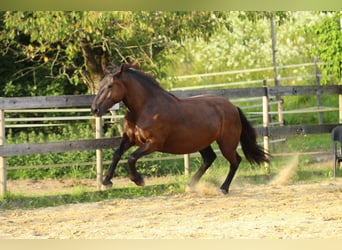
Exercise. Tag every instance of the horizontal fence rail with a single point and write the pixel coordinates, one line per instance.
(58, 147)
(143, 159)
(260, 91)
(232, 72)
(44, 102)
(39, 102)
(295, 130)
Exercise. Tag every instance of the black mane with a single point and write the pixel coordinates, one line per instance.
(144, 78)
(147, 79)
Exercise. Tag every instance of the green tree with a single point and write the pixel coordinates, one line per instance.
(70, 47)
(328, 43)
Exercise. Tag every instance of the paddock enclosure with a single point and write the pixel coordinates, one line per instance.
(277, 210)
(301, 211)
(266, 131)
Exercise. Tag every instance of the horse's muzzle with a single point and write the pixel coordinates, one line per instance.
(95, 110)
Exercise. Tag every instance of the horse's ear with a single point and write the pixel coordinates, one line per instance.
(123, 68)
(134, 64)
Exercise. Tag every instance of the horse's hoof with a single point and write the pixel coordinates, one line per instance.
(107, 183)
(105, 188)
(139, 180)
(140, 183)
(224, 191)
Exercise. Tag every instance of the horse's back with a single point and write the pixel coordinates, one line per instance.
(210, 104)
(198, 121)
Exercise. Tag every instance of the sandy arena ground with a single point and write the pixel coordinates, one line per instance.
(250, 211)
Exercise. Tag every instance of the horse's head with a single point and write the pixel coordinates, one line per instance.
(112, 90)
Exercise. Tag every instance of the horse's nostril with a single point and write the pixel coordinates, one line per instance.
(94, 110)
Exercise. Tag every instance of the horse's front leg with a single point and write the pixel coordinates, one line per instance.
(145, 149)
(125, 144)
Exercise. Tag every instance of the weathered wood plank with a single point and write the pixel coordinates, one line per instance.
(92, 144)
(305, 90)
(301, 129)
(46, 102)
(57, 147)
(228, 93)
(296, 130)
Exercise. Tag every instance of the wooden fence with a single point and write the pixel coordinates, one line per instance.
(266, 131)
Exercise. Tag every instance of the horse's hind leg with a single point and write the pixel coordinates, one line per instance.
(208, 156)
(229, 152)
(228, 148)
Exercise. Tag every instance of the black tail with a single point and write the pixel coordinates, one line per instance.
(253, 152)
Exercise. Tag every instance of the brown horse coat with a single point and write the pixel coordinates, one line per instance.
(186, 125)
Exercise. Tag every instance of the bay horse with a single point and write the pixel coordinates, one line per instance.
(156, 120)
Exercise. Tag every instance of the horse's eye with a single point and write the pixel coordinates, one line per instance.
(110, 86)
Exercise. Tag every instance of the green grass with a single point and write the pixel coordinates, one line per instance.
(22, 201)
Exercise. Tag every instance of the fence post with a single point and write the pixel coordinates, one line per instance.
(340, 107)
(99, 160)
(2, 159)
(187, 164)
(318, 83)
(275, 72)
(265, 118)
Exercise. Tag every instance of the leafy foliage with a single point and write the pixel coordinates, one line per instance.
(328, 43)
(47, 44)
(246, 44)
(41, 52)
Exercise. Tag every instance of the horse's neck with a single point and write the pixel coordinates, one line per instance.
(137, 96)
(140, 96)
